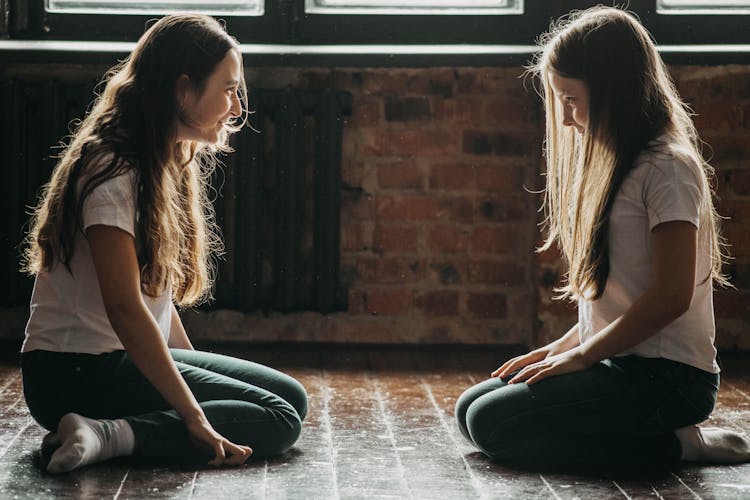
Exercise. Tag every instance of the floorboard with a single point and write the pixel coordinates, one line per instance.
(380, 425)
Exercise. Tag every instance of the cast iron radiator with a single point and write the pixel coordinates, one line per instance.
(276, 199)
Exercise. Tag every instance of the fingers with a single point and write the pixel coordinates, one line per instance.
(517, 363)
(529, 372)
(220, 455)
(239, 454)
(540, 375)
(230, 454)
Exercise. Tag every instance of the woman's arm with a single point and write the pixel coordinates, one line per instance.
(675, 247)
(113, 252)
(674, 250)
(177, 335)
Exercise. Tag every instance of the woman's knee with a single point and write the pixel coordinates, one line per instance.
(282, 440)
(296, 395)
(462, 405)
(490, 425)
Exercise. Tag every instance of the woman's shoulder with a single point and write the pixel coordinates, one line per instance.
(105, 165)
(668, 159)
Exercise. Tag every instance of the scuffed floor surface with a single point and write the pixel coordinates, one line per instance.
(380, 426)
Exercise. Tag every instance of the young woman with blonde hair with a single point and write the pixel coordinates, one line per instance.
(629, 203)
(123, 232)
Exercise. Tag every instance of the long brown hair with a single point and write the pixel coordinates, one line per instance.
(132, 128)
(633, 101)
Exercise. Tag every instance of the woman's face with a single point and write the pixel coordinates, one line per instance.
(205, 114)
(573, 95)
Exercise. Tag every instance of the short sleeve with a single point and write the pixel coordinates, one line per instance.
(672, 192)
(112, 203)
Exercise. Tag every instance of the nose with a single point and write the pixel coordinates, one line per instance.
(236, 109)
(568, 116)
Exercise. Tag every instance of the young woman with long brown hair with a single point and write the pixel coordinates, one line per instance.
(123, 232)
(629, 203)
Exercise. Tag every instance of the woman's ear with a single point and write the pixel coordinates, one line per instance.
(182, 91)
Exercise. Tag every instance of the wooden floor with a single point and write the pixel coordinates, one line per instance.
(380, 426)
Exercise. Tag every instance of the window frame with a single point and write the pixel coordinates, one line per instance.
(286, 24)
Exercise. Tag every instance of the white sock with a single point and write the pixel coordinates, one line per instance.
(86, 441)
(713, 445)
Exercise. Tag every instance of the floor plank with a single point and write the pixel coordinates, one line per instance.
(380, 425)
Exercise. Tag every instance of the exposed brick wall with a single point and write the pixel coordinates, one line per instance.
(720, 97)
(437, 229)
(438, 233)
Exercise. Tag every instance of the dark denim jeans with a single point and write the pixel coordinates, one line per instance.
(619, 412)
(246, 402)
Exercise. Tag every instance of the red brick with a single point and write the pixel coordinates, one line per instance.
(407, 109)
(726, 149)
(496, 272)
(739, 274)
(444, 110)
(448, 239)
(452, 176)
(358, 174)
(389, 270)
(438, 303)
(366, 112)
(732, 303)
(425, 141)
(738, 237)
(356, 237)
(448, 271)
(388, 301)
(487, 305)
(522, 306)
(457, 209)
(407, 208)
(432, 81)
(379, 82)
(402, 175)
(495, 239)
(552, 255)
(738, 181)
(723, 115)
(357, 303)
(357, 205)
(387, 239)
(512, 113)
(503, 209)
(468, 110)
(710, 83)
(504, 82)
(499, 178)
(735, 210)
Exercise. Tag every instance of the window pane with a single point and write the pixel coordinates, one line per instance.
(703, 6)
(232, 7)
(414, 6)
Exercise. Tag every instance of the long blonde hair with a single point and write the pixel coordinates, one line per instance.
(132, 128)
(633, 101)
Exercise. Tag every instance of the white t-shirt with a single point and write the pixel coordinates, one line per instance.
(67, 311)
(663, 186)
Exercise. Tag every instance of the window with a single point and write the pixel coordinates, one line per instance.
(220, 7)
(444, 7)
(703, 6)
(410, 32)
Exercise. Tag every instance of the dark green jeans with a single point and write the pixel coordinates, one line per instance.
(248, 403)
(620, 412)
